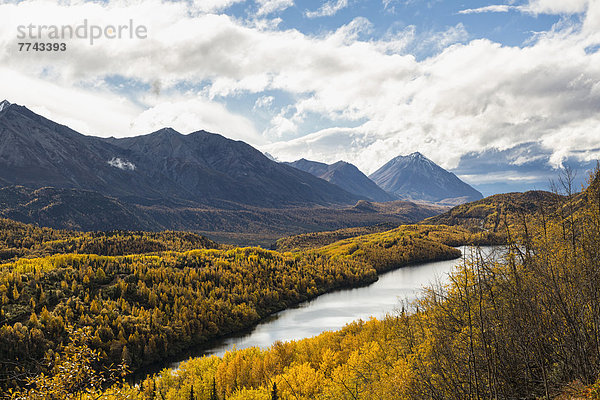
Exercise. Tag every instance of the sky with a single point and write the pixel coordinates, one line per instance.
(503, 93)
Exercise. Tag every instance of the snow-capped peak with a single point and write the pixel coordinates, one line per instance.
(4, 105)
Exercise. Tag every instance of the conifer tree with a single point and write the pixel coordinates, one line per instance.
(213, 395)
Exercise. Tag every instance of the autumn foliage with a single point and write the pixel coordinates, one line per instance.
(520, 322)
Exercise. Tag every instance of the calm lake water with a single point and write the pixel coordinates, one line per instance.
(334, 310)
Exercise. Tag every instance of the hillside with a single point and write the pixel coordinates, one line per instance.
(84, 210)
(71, 209)
(407, 244)
(201, 167)
(315, 240)
(417, 178)
(18, 240)
(492, 213)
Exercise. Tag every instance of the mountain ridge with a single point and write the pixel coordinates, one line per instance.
(201, 167)
(54, 176)
(347, 176)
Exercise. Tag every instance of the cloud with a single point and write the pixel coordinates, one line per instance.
(121, 164)
(556, 6)
(346, 95)
(263, 102)
(211, 6)
(329, 145)
(440, 40)
(471, 97)
(328, 9)
(92, 112)
(492, 8)
(511, 176)
(271, 6)
(536, 7)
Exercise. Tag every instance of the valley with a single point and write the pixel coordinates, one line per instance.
(300, 200)
(118, 256)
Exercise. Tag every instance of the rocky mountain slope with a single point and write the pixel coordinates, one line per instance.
(201, 167)
(346, 176)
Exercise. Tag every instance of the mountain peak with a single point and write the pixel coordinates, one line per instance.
(417, 178)
(4, 104)
(416, 154)
(346, 176)
(166, 131)
(342, 164)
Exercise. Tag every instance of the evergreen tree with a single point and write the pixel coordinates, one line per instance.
(213, 395)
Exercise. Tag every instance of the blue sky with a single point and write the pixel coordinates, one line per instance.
(511, 28)
(501, 92)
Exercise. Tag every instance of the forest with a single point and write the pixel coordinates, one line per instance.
(522, 322)
(18, 240)
(142, 297)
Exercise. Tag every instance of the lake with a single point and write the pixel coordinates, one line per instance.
(334, 310)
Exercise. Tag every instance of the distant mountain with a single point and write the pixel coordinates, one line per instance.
(212, 169)
(417, 178)
(201, 167)
(346, 176)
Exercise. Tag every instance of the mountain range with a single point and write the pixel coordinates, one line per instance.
(411, 178)
(417, 178)
(346, 176)
(202, 167)
(57, 177)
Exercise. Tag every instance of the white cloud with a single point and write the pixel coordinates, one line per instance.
(264, 102)
(121, 164)
(508, 176)
(440, 40)
(214, 5)
(92, 112)
(492, 8)
(328, 9)
(329, 145)
(557, 6)
(188, 116)
(271, 6)
(536, 7)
